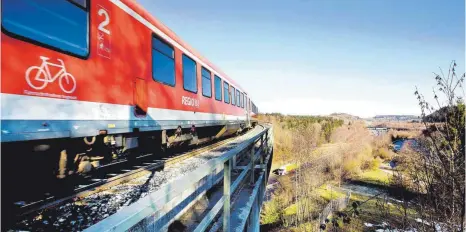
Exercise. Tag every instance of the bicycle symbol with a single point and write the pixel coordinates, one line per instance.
(43, 76)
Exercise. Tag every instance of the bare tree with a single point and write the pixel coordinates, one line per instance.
(304, 142)
(437, 170)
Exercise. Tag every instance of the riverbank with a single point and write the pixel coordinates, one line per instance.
(371, 206)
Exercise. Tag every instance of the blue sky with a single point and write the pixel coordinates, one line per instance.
(318, 57)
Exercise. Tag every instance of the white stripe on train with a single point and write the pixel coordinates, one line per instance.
(23, 107)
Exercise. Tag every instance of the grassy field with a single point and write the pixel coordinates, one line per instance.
(328, 193)
(375, 177)
(325, 192)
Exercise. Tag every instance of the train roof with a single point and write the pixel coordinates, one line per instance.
(137, 8)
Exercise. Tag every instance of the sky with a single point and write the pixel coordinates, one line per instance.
(317, 57)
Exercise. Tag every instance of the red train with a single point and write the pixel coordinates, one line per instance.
(98, 78)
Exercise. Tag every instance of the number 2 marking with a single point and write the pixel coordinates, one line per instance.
(105, 22)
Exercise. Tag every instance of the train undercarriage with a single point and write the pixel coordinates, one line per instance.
(67, 157)
(52, 167)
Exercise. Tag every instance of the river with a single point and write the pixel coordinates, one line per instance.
(398, 144)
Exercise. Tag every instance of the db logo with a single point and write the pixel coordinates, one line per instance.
(38, 77)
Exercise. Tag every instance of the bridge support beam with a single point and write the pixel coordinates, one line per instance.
(226, 195)
(252, 164)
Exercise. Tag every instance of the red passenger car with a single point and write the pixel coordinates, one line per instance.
(99, 77)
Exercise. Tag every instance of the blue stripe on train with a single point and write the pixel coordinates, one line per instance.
(21, 130)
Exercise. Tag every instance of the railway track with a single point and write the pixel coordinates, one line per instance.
(111, 176)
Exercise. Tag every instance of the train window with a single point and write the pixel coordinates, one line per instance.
(206, 82)
(189, 74)
(226, 92)
(233, 98)
(238, 99)
(163, 62)
(242, 100)
(218, 88)
(56, 24)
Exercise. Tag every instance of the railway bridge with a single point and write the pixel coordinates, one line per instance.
(223, 194)
(375, 130)
(216, 187)
(384, 128)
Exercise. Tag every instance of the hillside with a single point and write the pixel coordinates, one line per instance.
(344, 116)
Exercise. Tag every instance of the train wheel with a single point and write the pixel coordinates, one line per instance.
(85, 165)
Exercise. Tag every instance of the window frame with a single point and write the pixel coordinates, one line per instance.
(202, 81)
(182, 72)
(238, 98)
(221, 88)
(152, 59)
(233, 95)
(87, 9)
(82, 7)
(228, 92)
(242, 101)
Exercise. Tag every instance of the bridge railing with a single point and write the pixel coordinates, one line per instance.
(158, 209)
(250, 210)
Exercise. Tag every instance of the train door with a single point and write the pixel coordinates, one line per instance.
(140, 100)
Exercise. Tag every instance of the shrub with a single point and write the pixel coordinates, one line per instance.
(270, 212)
(351, 169)
(375, 163)
(383, 153)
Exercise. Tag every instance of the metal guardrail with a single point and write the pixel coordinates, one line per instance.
(153, 203)
(253, 204)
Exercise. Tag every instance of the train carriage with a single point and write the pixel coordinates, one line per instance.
(102, 77)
